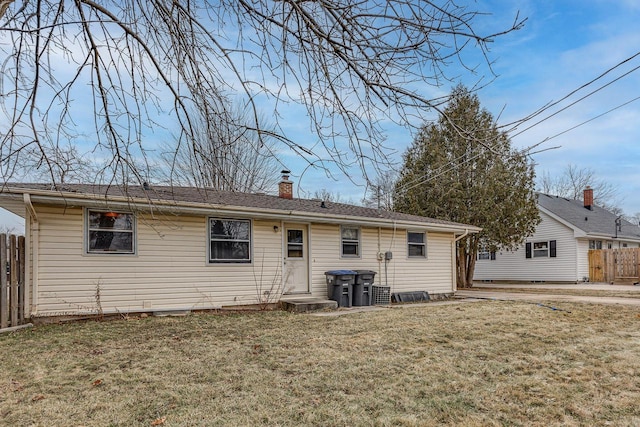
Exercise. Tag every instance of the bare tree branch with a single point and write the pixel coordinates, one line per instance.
(572, 181)
(138, 69)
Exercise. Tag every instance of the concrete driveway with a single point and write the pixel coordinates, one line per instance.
(481, 292)
(501, 292)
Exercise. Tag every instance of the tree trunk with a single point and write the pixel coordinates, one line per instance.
(461, 262)
(466, 262)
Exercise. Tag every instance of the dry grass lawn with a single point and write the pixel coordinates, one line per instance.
(478, 364)
(561, 291)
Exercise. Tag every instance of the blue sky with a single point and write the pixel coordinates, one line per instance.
(563, 45)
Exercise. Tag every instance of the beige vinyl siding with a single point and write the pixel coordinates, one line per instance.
(433, 273)
(513, 265)
(168, 271)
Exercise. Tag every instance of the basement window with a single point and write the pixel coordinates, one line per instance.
(110, 232)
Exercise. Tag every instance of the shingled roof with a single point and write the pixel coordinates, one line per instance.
(596, 221)
(179, 196)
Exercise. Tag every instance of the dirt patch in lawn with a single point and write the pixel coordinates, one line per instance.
(487, 363)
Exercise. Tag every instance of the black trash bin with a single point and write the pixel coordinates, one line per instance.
(340, 286)
(362, 287)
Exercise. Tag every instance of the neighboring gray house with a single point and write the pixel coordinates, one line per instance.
(558, 250)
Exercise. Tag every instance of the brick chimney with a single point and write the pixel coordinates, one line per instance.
(285, 188)
(588, 197)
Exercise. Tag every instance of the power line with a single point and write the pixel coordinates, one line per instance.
(425, 178)
(553, 104)
(578, 100)
(590, 120)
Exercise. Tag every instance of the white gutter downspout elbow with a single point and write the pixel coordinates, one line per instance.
(32, 232)
(466, 232)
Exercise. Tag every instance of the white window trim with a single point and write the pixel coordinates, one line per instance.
(424, 233)
(301, 245)
(229, 261)
(357, 242)
(88, 229)
(533, 249)
(596, 243)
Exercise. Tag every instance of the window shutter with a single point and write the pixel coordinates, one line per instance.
(493, 256)
(552, 248)
(528, 249)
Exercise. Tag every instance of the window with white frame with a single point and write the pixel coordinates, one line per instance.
(417, 244)
(229, 240)
(540, 249)
(543, 249)
(110, 232)
(595, 244)
(485, 254)
(350, 241)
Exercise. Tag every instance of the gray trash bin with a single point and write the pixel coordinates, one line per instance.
(362, 287)
(340, 286)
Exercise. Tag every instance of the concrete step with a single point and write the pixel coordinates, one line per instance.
(308, 304)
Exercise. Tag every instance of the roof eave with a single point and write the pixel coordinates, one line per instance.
(140, 204)
(613, 237)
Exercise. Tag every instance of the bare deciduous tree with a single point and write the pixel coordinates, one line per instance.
(133, 67)
(572, 182)
(329, 196)
(381, 191)
(63, 164)
(224, 155)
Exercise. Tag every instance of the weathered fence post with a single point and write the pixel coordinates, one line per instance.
(4, 301)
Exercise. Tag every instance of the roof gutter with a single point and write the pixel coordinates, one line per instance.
(610, 237)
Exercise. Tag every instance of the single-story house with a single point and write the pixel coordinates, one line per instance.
(153, 248)
(558, 250)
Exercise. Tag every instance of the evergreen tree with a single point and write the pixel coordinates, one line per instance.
(463, 169)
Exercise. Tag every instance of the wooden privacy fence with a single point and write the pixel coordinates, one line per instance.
(614, 265)
(12, 289)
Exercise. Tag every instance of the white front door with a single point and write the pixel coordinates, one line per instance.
(296, 259)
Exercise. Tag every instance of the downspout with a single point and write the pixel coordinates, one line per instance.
(32, 231)
(466, 232)
(379, 254)
(454, 258)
